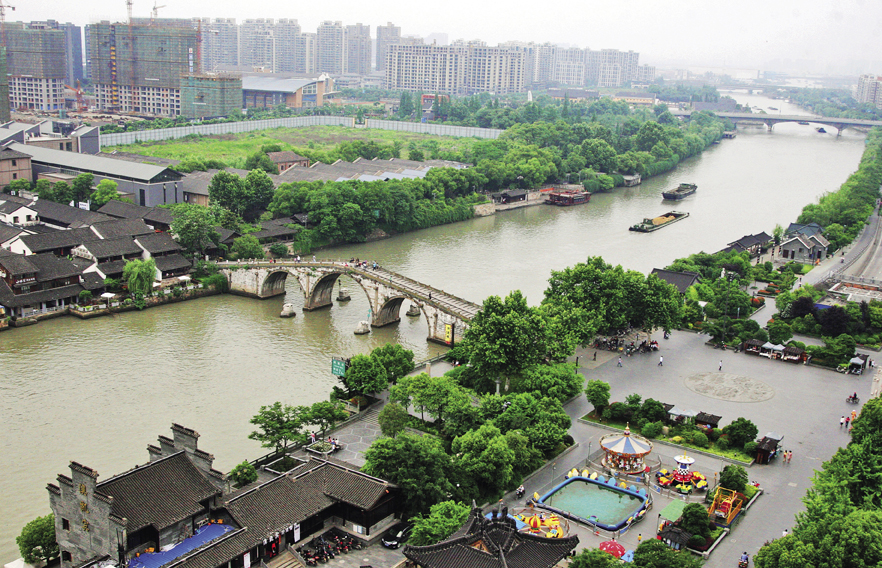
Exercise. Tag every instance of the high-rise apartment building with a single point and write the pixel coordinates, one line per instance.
(461, 68)
(386, 35)
(73, 47)
(257, 43)
(286, 34)
(220, 43)
(615, 68)
(329, 48)
(4, 87)
(207, 95)
(139, 68)
(306, 54)
(36, 63)
(869, 90)
(569, 66)
(357, 49)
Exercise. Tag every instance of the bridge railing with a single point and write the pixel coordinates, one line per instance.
(338, 263)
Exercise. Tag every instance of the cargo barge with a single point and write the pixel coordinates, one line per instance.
(685, 190)
(568, 197)
(650, 225)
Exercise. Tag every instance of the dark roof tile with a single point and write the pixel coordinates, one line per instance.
(171, 262)
(65, 215)
(105, 248)
(121, 228)
(157, 243)
(57, 239)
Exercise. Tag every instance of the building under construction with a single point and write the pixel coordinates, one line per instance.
(4, 88)
(36, 65)
(210, 95)
(139, 68)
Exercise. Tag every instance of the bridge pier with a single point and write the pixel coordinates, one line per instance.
(447, 315)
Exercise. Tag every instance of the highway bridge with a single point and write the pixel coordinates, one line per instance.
(771, 120)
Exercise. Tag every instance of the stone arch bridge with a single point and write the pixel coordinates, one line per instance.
(448, 316)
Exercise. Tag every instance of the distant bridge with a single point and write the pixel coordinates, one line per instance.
(771, 120)
(385, 290)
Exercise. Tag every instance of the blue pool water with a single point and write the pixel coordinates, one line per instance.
(589, 501)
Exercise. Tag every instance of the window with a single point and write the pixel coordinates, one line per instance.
(14, 162)
(14, 176)
(66, 556)
(65, 524)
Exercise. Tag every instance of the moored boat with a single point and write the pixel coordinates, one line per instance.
(683, 190)
(821, 130)
(802, 122)
(654, 224)
(565, 198)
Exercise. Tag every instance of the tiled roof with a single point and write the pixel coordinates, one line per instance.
(706, 418)
(350, 486)
(485, 543)
(50, 267)
(819, 238)
(104, 248)
(680, 280)
(284, 156)
(10, 300)
(65, 215)
(7, 206)
(157, 243)
(171, 262)
(801, 238)
(16, 264)
(159, 215)
(274, 231)
(160, 493)
(121, 228)
(97, 164)
(226, 235)
(111, 269)
(92, 281)
(57, 239)
(123, 210)
(10, 154)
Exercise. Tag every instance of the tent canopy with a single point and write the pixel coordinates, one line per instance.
(772, 346)
(857, 361)
(677, 411)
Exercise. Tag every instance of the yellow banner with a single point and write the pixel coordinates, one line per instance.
(448, 333)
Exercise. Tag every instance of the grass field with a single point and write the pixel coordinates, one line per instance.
(233, 149)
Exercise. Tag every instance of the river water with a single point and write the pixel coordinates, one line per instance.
(99, 391)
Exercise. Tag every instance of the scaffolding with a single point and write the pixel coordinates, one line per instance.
(210, 95)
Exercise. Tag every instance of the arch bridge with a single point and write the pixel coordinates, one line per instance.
(770, 120)
(448, 316)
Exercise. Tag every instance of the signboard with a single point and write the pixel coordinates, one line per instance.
(246, 558)
(338, 367)
(448, 333)
(296, 532)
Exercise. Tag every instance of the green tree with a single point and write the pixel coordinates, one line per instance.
(62, 193)
(246, 247)
(393, 419)
(243, 474)
(104, 192)
(444, 519)
(598, 393)
(260, 187)
(365, 375)
(561, 381)
(279, 250)
(780, 332)
(594, 558)
(278, 425)
(82, 186)
(694, 520)
(193, 227)
(653, 553)
(741, 431)
(37, 540)
(734, 477)
(259, 161)
(325, 414)
(417, 464)
(397, 360)
(229, 191)
(778, 234)
(16, 186)
(484, 456)
(140, 275)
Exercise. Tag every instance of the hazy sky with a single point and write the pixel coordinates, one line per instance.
(746, 33)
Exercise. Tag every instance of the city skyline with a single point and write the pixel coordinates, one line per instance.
(810, 37)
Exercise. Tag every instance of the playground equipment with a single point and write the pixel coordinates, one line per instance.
(726, 506)
(624, 452)
(682, 479)
(542, 524)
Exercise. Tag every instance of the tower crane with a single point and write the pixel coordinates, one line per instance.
(155, 12)
(3, 5)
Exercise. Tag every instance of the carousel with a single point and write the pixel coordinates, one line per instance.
(683, 479)
(625, 452)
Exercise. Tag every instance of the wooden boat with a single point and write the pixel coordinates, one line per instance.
(821, 130)
(650, 225)
(684, 190)
(568, 197)
(802, 122)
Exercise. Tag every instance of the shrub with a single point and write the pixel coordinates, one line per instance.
(677, 439)
(700, 440)
(204, 268)
(279, 250)
(750, 448)
(722, 444)
(733, 477)
(217, 281)
(696, 541)
(85, 297)
(243, 474)
(652, 430)
(714, 434)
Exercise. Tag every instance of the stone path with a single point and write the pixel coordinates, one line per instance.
(357, 436)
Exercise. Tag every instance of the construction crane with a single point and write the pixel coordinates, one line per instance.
(3, 5)
(81, 103)
(155, 12)
(129, 10)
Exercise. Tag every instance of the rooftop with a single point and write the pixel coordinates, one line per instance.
(104, 248)
(56, 240)
(96, 164)
(121, 228)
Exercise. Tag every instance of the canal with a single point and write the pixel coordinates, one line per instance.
(99, 391)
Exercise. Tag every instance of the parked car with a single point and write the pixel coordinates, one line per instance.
(397, 535)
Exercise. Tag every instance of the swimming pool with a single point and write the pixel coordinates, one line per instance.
(595, 502)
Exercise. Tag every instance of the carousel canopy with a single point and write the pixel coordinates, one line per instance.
(626, 444)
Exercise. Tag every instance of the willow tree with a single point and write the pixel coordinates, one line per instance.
(139, 275)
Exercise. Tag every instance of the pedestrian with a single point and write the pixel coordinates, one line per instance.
(841, 422)
(783, 534)
(661, 360)
(430, 296)
(620, 362)
(313, 258)
(847, 421)
(595, 356)
(853, 415)
(721, 365)
(639, 539)
(789, 456)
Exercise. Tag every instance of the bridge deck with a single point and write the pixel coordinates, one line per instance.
(446, 302)
(760, 117)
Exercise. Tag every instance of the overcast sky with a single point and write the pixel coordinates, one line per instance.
(828, 35)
